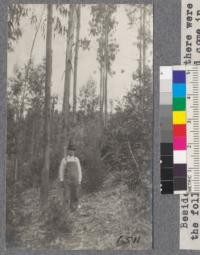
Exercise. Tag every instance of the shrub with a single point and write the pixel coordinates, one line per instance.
(57, 220)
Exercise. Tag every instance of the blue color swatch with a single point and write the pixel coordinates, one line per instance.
(179, 76)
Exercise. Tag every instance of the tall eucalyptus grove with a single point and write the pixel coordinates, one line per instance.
(102, 26)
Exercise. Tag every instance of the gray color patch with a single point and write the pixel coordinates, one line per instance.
(165, 111)
(166, 86)
(167, 126)
(165, 98)
(167, 120)
(166, 136)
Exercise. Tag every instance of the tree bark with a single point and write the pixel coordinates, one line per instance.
(47, 109)
(143, 52)
(68, 69)
(33, 140)
(53, 124)
(78, 18)
(140, 49)
(17, 157)
(106, 70)
(144, 39)
(101, 81)
(101, 90)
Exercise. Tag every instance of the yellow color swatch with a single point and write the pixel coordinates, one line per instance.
(179, 117)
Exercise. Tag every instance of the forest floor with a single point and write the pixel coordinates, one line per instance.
(104, 216)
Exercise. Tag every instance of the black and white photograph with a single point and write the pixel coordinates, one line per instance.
(79, 126)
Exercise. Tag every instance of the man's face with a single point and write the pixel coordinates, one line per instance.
(71, 152)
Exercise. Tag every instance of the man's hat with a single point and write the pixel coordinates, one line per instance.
(71, 146)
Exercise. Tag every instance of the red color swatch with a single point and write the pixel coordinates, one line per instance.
(179, 130)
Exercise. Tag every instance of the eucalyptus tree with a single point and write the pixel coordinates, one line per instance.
(27, 130)
(102, 26)
(80, 43)
(47, 108)
(15, 13)
(140, 16)
(73, 43)
(77, 45)
(68, 71)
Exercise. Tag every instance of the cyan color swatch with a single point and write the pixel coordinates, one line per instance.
(179, 90)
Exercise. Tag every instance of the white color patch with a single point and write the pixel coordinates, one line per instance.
(166, 73)
(179, 157)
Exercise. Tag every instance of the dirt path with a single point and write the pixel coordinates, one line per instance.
(98, 224)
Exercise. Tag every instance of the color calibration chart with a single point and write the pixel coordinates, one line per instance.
(173, 130)
(179, 129)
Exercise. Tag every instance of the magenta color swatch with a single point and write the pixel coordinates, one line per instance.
(179, 143)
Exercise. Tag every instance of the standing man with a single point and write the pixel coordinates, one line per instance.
(70, 176)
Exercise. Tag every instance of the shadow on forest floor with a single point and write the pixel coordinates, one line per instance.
(104, 216)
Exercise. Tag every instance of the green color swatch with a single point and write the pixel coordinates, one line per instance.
(179, 103)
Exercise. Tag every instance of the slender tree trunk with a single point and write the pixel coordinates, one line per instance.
(101, 101)
(140, 49)
(68, 69)
(33, 140)
(16, 169)
(106, 99)
(29, 64)
(103, 90)
(53, 102)
(144, 38)
(47, 109)
(78, 17)
(106, 71)
(143, 52)
(18, 147)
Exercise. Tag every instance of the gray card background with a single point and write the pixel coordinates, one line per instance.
(167, 20)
